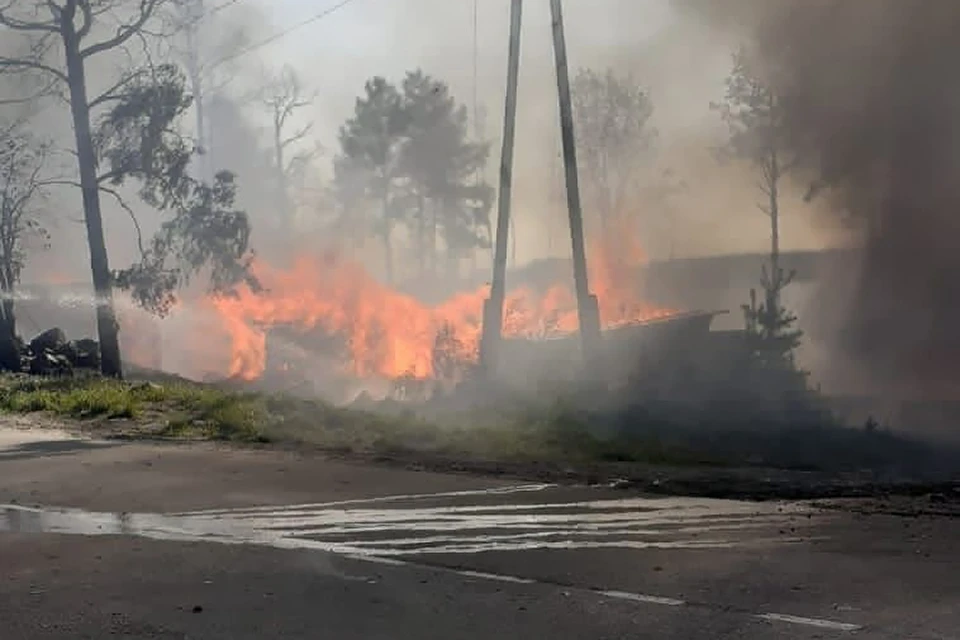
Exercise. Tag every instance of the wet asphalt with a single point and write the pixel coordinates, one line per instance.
(147, 541)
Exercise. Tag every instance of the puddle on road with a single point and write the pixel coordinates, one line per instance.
(383, 527)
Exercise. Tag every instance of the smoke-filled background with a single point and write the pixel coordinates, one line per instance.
(870, 101)
(870, 106)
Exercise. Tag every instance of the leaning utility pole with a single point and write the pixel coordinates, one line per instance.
(588, 312)
(493, 306)
(587, 308)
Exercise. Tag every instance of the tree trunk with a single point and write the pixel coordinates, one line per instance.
(605, 199)
(9, 349)
(434, 258)
(281, 177)
(9, 322)
(388, 255)
(776, 273)
(107, 327)
(421, 235)
(387, 241)
(196, 86)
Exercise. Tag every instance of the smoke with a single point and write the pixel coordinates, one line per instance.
(681, 62)
(871, 101)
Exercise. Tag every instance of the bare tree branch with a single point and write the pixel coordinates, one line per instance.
(129, 211)
(24, 25)
(112, 94)
(45, 90)
(108, 176)
(297, 136)
(19, 64)
(116, 196)
(124, 32)
(87, 23)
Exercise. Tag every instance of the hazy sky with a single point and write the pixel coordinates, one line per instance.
(683, 64)
(388, 37)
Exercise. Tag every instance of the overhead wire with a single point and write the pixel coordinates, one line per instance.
(224, 5)
(282, 34)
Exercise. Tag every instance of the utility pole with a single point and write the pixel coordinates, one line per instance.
(493, 306)
(588, 312)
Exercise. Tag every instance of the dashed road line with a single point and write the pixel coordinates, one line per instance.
(367, 530)
(810, 622)
(629, 596)
(376, 560)
(494, 576)
(640, 597)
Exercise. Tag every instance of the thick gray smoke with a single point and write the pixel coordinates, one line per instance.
(872, 99)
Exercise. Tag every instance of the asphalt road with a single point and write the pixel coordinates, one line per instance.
(142, 541)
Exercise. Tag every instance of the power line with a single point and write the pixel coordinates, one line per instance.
(222, 6)
(282, 34)
(192, 6)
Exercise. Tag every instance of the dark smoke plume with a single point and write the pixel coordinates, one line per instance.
(873, 100)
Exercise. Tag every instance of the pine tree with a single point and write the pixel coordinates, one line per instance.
(753, 113)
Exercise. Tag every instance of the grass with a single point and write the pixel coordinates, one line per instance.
(184, 410)
(181, 410)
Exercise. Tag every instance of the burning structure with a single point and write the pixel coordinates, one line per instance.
(327, 327)
(646, 357)
(328, 319)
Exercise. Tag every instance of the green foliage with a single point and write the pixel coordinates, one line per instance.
(405, 159)
(188, 410)
(771, 340)
(505, 431)
(754, 115)
(108, 398)
(366, 168)
(137, 138)
(441, 165)
(755, 118)
(204, 232)
(771, 327)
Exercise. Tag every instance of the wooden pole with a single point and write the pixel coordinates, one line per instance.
(588, 311)
(493, 307)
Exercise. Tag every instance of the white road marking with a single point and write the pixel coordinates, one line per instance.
(396, 535)
(494, 576)
(639, 597)
(377, 560)
(810, 622)
(279, 510)
(618, 595)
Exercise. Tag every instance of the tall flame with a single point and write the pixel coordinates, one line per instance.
(390, 334)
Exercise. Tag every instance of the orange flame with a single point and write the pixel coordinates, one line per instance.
(390, 334)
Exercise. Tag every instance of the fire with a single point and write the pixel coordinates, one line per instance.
(389, 334)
